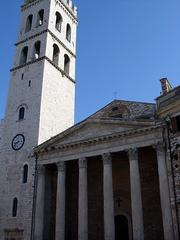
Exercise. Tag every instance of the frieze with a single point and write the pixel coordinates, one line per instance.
(94, 141)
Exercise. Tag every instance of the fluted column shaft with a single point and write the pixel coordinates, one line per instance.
(109, 227)
(164, 192)
(83, 201)
(39, 214)
(136, 199)
(60, 201)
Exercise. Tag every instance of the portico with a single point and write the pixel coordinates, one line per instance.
(107, 185)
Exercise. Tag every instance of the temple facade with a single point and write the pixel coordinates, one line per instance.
(114, 175)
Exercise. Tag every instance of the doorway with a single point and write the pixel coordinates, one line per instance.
(121, 228)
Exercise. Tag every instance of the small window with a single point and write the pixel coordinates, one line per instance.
(114, 109)
(59, 21)
(66, 64)
(29, 83)
(36, 50)
(21, 113)
(175, 123)
(178, 123)
(68, 33)
(24, 55)
(25, 173)
(22, 76)
(14, 207)
(56, 54)
(29, 23)
(40, 18)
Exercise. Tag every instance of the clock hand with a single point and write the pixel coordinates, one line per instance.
(16, 142)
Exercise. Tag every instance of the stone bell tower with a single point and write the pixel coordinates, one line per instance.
(40, 104)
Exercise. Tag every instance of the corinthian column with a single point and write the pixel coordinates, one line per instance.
(60, 202)
(83, 201)
(164, 192)
(136, 200)
(39, 214)
(109, 228)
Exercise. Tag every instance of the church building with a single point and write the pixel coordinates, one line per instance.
(113, 176)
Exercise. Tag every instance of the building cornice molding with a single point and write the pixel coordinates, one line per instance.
(68, 11)
(95, 140)
(52, 34)
(28, 5)
(41, 59)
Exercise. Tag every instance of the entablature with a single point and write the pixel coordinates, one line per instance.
(96, 146)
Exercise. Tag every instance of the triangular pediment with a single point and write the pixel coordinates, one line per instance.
(117, 117)
(94, 129)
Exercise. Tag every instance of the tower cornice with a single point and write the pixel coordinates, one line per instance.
(52, 34)
(41, 59)
(71, 11)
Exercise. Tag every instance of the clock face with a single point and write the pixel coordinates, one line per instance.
(18, 142)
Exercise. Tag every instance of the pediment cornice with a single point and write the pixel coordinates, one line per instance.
(96, 140)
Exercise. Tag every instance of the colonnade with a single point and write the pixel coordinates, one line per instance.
(108, 198)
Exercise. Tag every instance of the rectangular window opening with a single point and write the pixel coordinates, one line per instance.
(178, 123)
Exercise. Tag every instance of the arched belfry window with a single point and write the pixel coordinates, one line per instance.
(14, 207)
(66, 64)
(40, 17)
(36, 50)
(68, 32)
(59, 21)
(29, 23)
(24, 55)
(25, 173)
(21, 113)
(56, 54)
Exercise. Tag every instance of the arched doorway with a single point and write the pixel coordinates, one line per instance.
(121, 228)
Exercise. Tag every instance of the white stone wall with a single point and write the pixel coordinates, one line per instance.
(34, 9)
(57, 103)
(56, 6)
(49, 109)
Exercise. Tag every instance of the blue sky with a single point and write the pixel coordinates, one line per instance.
(123, 46)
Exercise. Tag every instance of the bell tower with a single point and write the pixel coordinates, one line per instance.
(40, 104)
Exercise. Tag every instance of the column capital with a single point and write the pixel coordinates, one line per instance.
(159, 146)
(41, 169)
(83, 162)
(133, 153)
(61, 166)
(107, 158)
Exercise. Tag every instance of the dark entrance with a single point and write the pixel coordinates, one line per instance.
(121, 228)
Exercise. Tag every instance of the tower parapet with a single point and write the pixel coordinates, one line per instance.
(67, 3)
